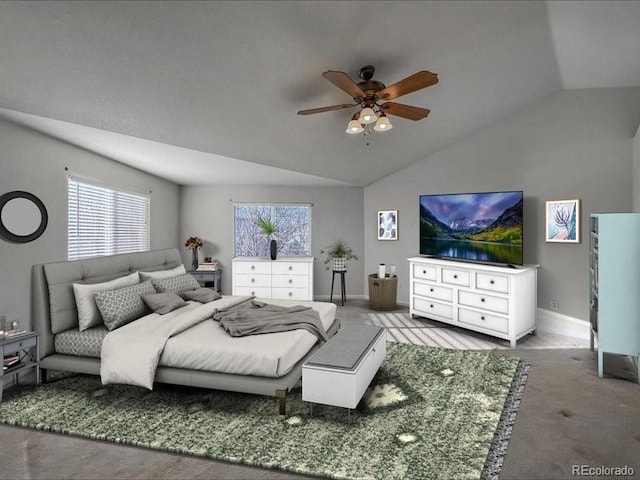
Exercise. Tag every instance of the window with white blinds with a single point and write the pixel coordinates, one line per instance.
(104, 221)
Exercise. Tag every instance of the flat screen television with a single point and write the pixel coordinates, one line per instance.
(482, 227)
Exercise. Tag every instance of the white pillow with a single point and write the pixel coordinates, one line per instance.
(88, 313)
(160, 274)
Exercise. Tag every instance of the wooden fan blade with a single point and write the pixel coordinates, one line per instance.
(417, 81)
(326, 109)
(405, 111)
(344, 82)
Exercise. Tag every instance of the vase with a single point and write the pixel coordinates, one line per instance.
(194, 259)
(381, 270)
(273, 249)
(339, 264)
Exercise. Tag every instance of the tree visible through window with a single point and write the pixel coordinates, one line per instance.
(292, 221)
(104, 221)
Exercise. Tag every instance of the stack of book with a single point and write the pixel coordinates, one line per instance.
(11, 361)
(11, 333)
(208, 266)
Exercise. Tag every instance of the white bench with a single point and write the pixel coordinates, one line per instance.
(340, 371)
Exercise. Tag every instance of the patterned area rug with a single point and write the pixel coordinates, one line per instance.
(429, 333)
(429, 414)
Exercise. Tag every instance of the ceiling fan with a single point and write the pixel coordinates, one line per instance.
(373, 98)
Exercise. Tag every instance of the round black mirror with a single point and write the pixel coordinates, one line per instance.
(23, 217)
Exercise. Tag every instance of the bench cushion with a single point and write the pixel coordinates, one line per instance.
(345, 349)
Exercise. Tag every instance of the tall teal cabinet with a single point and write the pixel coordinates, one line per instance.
(614, 272)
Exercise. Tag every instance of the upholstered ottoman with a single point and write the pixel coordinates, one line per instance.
(340, 371)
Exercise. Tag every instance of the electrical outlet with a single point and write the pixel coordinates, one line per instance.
(555, 305)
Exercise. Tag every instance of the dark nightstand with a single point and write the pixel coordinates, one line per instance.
(27, 346)
(208, 278)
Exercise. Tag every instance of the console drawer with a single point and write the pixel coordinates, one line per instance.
(253, 280)
(433, 291)
(425, 272)
(455, 277)
(433, 308)
(493, 283)
(263, 268)
(286, 293)
(288, 281)
(254, 291)
(483, 320)
(290, 268)
(486, 302)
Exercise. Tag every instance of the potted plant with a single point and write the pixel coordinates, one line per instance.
(337, 255)
(269, 229)
(193, 244)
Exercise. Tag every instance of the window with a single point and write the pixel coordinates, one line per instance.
(104, 221)
(293, 235)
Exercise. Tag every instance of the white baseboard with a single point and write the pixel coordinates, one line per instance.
(554, 322)
(336, 297)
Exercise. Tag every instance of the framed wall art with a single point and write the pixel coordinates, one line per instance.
(562, 221)
(388, 225)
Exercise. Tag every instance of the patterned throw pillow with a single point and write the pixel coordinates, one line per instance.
(121, 306)
(88, 313)
(178, 284)
(202, 295)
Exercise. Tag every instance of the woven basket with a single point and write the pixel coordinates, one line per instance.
(383, 292)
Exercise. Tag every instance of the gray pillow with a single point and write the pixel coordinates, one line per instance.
(158, 274)
(163, 302)
(123, 305)
(202, 295)
(178, 284)
(88, 313)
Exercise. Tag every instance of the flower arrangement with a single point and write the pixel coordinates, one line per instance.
(193, 243)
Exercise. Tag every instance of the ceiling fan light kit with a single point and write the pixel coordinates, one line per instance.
(354, 127)
(383, 124)
(372, 97)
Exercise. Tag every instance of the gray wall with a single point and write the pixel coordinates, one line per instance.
(36, 163)
(636, 171)
(575, 144)
(207, 211)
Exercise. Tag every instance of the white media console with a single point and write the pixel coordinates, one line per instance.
(494, 300)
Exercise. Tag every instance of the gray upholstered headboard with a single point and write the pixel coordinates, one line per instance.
(54, 306)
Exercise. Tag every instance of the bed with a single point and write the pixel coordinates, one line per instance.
(64, 347)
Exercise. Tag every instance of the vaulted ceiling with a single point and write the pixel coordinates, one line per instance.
(216, 85)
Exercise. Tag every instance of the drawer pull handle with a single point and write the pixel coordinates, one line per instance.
(291, 294)
(424, 272)
(431, 306)
(431, 289)
(253, 280)
(482, 317)
(290, 280)
(253, 293)
(492, 282)
(253, 267)
(290, 267)
(455, 276)
(482, 300)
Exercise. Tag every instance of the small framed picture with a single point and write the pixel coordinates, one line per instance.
(562, 221)
(388, 225)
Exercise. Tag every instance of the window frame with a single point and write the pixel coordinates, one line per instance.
(109, 224)
(273, 206)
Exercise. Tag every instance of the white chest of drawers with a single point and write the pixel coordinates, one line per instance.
(497, 301)
(283, 278)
